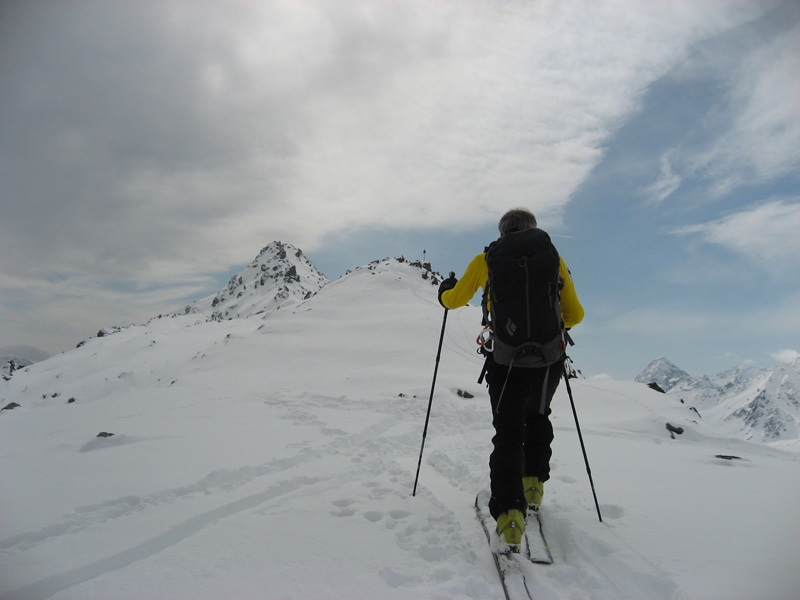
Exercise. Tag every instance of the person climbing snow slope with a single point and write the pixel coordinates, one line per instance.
(529, 302)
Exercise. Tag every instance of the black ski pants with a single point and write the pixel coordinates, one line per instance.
(523, 432)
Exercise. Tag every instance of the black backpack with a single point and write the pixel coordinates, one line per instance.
(523, 296)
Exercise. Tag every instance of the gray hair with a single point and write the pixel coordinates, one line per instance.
(516, 219)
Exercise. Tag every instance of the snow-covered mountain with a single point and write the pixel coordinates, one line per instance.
(664, 373)
(279, 277)
(758, 404)
(274, 457)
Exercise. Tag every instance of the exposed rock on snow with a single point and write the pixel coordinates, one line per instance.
(426, 273)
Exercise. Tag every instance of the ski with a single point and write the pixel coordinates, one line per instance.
(511, 575)
(537, 549)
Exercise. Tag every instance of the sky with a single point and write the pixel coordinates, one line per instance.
(149, 150)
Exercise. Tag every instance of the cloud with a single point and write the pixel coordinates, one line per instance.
(786, 356)
(58, 312)
(766, 233)
(158, 137)
(763, 141)
(730, 112)
(22, 351)
(666, 184)
(750, 129)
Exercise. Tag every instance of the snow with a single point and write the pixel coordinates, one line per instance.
(274, 457)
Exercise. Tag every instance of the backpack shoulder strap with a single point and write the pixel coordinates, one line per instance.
(485, 297)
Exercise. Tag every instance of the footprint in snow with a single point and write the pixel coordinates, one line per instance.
(344, 509)
(375, 516)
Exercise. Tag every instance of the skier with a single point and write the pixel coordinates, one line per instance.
(520, 396)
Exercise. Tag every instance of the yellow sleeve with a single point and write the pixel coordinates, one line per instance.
(571, 308)
(474, 277)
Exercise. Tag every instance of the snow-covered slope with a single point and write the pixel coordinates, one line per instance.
(757, 404)
(274, 457)
(280, 276)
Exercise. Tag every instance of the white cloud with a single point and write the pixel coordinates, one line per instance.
(236, 123)
(600, 377)
(667, 182)
(766, 233)
(762, 137)
(58, 313)
(786, 356)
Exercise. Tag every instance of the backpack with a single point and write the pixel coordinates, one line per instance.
(521, 300)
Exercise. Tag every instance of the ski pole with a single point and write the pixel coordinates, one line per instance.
(430, 402)
(580, 437)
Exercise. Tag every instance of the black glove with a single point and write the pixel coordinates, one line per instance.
(447, 284)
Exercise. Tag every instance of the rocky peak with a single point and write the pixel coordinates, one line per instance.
(664, 373)
(279, 276)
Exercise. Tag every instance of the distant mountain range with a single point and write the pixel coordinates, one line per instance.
(757, 404)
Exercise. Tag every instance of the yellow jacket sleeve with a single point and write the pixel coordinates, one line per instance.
(474, 277)
(477, 273)
(571, 308)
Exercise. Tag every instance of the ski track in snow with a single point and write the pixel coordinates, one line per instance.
(368, 455)
(431, 535)
(590, 560)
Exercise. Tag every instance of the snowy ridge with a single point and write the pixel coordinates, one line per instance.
(754, 404)
(280, 276)
(422, 269)
(205, 459)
